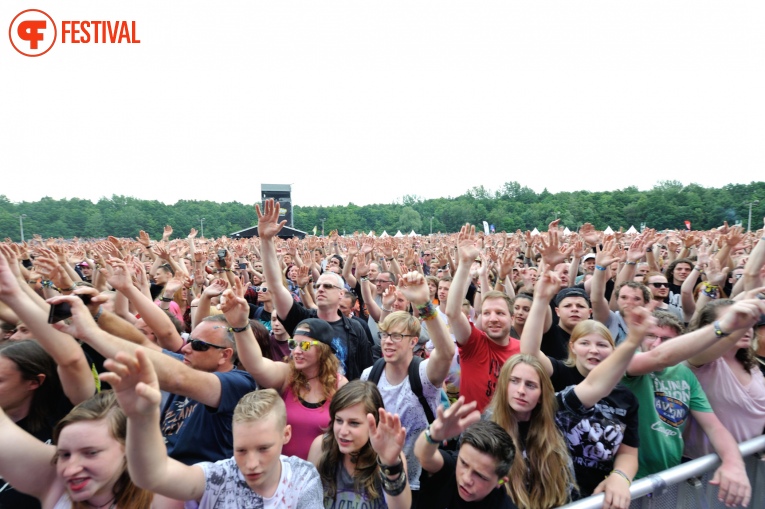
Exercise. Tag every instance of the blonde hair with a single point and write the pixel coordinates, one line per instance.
(402, 318)
(329, 365)
(585, 328)
(257, 405)
(543, 478)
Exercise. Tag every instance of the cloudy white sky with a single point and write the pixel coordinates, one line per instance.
(367, 101)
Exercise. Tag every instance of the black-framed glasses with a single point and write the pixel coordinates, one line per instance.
(659, 285)
(326, 286)
(654, 337)
(202, 346)
(395, 337)
(304, 345)
(379, 281)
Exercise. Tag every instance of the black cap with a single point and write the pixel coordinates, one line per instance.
(318, 329)
(572, 292)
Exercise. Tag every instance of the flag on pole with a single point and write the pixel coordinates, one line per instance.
(314, 230)
(687, 225)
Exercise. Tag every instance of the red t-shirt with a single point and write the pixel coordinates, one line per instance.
(481, 359)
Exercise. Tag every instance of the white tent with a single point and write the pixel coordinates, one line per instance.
(534, 232)
(566, 231)
(608, 231)
(413, 234)
(384, 234)
(398, 234)
(631, 231)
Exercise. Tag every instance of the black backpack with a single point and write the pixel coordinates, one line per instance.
(414, 382)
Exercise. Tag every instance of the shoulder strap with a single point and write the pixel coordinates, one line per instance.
(376, 373)
(416, 384)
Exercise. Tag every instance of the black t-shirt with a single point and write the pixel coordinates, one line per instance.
(555, 342)
(439, 490)
(593, 435)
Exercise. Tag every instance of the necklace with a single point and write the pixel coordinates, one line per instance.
(308, 382)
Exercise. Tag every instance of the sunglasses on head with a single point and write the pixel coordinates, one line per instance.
(202, 346)
(659, 285)
(305, 344)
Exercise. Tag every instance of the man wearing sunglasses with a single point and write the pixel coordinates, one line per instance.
(659, 286)
(330, 288)
(203, 383)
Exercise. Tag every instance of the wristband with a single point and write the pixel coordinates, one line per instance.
(391, 470)
(364, 278)
(718, 330)
(630, 263)
(427, 311)
(389, 259)
(622, 474)
(240, 329)
(387, 310)
(429, 437)
(598, 267)
(98, 315)
(166, 299)
(394, 487)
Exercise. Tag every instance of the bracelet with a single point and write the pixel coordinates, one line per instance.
(389, 259)
(427, 311)
(387, 310)
(394, 487)
(619, 472)
(98, 315)
(599, 267)
(364, 278)
(391, 470)
(630, 263)
(718, 330)
(240, 329)
(429, 437)
(166, 299)
(70, 289)
(695, 267)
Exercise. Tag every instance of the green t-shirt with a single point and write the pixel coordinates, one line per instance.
(666, 400)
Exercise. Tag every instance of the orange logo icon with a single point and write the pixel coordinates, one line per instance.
(32, 33)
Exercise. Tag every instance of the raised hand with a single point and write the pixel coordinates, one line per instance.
(192, 234)
(167, 232)
(607, 255)
(117, 274)
(134, 382)
(451, 422)
(234, 306)
(304, 276)
(387, 437)
(467, 243)
(743, 314)
(268, 220)
(414, 287)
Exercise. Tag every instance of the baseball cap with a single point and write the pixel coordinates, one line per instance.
(572, 292)
(318, 329)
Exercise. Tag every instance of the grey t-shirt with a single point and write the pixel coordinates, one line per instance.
(226, 488)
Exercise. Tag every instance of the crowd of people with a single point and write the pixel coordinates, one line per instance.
(465, 370)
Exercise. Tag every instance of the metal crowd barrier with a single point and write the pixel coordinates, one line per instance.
(686, 486)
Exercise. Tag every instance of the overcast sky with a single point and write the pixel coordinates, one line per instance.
(367, 101)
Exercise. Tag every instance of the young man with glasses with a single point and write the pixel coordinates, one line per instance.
(330, 287)
(399, 334)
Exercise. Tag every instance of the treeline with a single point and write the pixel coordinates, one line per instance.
(668, 205)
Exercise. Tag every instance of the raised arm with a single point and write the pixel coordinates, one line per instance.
(387, 439)
(135, 383)
(753, 267)
(602, 380)
(118, 275)
(468, 250)
(415, 288)
(737, 320)
(531, 338)
(605, 257)
(267, 373)
(635, 252)
(73, 369)
(448, 424)
(268, 227)
(174, 376)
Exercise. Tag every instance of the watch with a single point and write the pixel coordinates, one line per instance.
(718, 330)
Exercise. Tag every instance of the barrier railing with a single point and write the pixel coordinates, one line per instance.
(686, 486)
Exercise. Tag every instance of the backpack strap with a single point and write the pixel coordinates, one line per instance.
(377, 370)
(416, 384)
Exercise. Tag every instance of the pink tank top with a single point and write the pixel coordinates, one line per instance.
(307, 424)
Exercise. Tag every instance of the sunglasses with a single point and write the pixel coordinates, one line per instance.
(326, 286)
(260, 289)
(659, 285)
(202, 346)
(304, 345)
